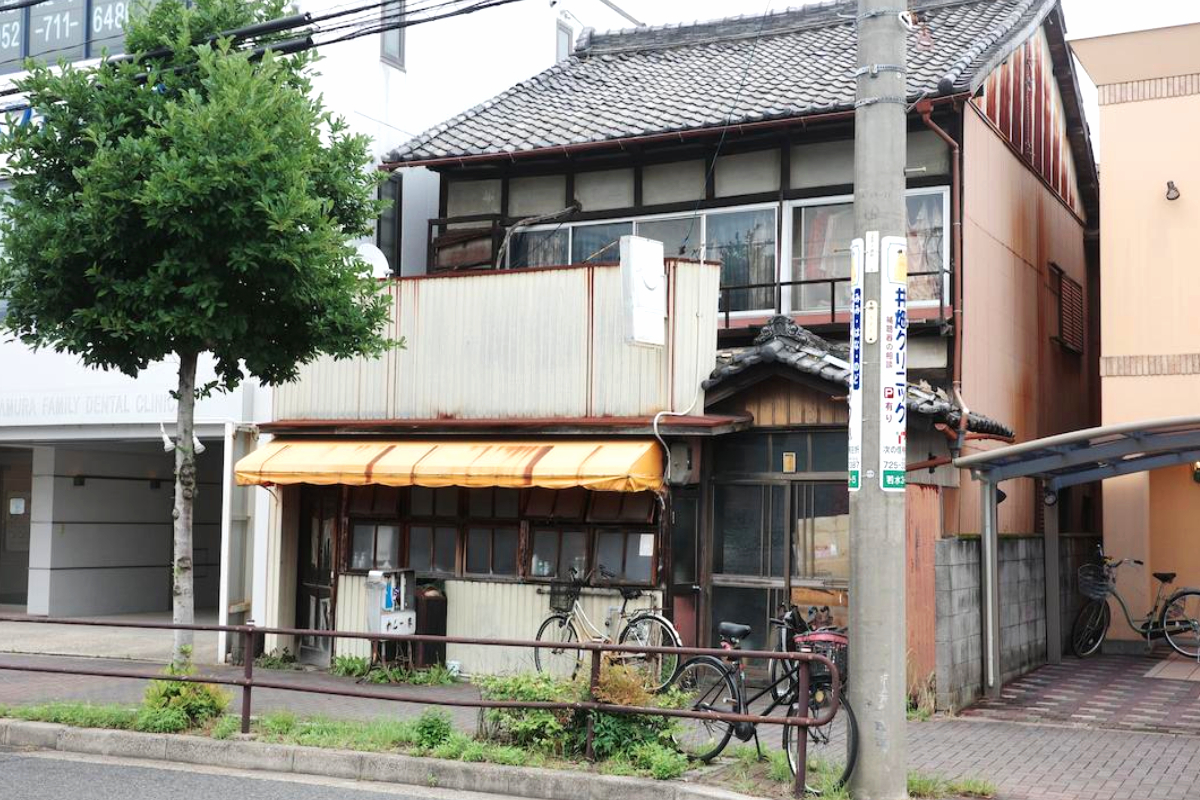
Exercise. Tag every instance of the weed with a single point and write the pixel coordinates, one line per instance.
(663, 763)
(433, 728)
(437, 675)
(350, 666)
(932, 786)
(82, 715)
(779, 769)
(277, 659)
(474, 752)
(199, 702)
(453, 747)
(162, 719)
(973, 787)
(277, 723)
(225, 727)
(506, 754)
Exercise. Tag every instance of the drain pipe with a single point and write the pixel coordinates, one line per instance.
(925, 109)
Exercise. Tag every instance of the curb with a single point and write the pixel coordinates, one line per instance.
(529, 782)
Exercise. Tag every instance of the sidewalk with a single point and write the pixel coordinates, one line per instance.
(1025, 761)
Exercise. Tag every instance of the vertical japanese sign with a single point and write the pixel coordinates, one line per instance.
(856, 371)
(893, 383)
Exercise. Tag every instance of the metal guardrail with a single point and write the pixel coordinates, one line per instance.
(248, 682)
(830, 283)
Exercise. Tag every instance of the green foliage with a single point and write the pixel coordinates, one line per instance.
(662, 762)
(208, 206)
(277, 659)
(507, 755)
(81, 715)
(433, 728)
(614, 734)
(198, 702)
(277, 723)
(374, 736)
(973, 787)
(350, 666)
(436, 675)
(225, 727)
(162, 719)
(779, 768)
(541, 729)
(932, 786)
(452, 747)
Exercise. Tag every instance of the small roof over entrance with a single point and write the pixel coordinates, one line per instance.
(602, 465)
(1067, 459)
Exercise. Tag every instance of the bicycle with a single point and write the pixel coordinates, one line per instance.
(567, 620)
(1177, 619)
(706, 683)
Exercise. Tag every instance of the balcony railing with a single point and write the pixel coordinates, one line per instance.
(789, 297)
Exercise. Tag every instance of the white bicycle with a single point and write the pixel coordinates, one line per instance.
(568, 624)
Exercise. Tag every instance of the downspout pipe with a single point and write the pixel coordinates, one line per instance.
(925, 110)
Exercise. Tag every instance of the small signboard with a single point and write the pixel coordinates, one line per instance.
(856, 369)
(893, 383)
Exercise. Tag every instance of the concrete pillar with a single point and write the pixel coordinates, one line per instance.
(41, 531)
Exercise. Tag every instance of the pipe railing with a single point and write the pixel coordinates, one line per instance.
(250, 634)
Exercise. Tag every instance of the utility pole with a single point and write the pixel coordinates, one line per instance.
(878, 688)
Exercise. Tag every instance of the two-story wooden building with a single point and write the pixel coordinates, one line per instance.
(731, 142)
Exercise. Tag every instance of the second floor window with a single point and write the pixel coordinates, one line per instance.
(387, 236)
(392, 47)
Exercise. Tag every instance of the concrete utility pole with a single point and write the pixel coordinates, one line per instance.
(878, 415)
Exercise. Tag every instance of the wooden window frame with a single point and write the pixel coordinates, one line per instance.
(375, 523)
(1072, 327)
(492, 528)
(397, 60)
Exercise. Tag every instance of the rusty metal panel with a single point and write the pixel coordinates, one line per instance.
(692, 334)
(626, 379)
(351, 614)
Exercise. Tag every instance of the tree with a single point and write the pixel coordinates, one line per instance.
(196, 199)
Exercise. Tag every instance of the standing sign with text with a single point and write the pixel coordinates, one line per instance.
(856, 371)
(893, 414)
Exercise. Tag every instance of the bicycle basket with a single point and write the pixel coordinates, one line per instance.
(1095, 581)
(834, 646)
(563, 596)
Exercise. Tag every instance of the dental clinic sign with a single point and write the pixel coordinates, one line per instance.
(893, 413)
(856, 365)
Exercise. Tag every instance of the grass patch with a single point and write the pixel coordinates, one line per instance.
(79, 715)
(225, 727)
(935, 786)
(277, 659)
(973, 787)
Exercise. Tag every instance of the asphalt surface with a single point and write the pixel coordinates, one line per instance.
(44, 775)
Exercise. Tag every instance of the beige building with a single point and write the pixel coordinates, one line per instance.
(1149, 90)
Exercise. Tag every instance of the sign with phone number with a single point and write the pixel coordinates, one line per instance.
(893, 380)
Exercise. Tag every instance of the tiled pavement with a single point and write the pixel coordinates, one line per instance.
(1060, 757)
(1105, 691)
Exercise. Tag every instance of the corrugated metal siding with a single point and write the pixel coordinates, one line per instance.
(352, 614)
(1022, 100)
(923, 515)
(509, 611)
(538, 343)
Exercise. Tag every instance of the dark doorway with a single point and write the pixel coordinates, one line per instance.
(16, 500)
(314, 592)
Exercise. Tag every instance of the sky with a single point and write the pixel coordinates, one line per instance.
(1084, 18)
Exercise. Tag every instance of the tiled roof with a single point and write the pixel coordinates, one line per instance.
(782, 341)
(791, 63)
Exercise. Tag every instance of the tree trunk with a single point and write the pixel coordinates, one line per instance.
(185, 495)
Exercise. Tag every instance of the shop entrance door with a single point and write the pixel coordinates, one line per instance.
(314, 590)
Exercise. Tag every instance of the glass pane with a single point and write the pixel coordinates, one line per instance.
(794, 443)
(598, 243)
(421, 501)
(420, 547)
(445, 542)
(574, 554)
(539, 248)
(507, 503)
(778, 524)
(741, 453)
(504, 551)
(362, 542)
(821, 238)
(745, 607)
(479, 544)
(479, 503)
(605, 507)
(686, 510)
(446, 502)
(831, 526)
(831, 451)
(680, 236)
(545, 554)
(639, 555)
(744, 243)
(540, 504)
(387, 547)
(638, 507)
(737, 530)
(926, 239)
(610, 552)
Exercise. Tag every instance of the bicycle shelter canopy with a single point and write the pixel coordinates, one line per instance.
(1067, 459)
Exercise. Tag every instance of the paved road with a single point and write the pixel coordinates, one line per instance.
(41, 775)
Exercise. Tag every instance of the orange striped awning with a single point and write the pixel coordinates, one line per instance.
(601, 465)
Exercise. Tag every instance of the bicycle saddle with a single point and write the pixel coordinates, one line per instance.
(732, 630)
(1165, 577)
(630, 593)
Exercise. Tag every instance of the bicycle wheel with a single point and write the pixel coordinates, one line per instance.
(832, 748)
(1091, 624)
(704, 684)
(562, 661)
(1181, 623)
(651, 630)
(777, 669)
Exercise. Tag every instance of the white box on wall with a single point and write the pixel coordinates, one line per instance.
(644, 289)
